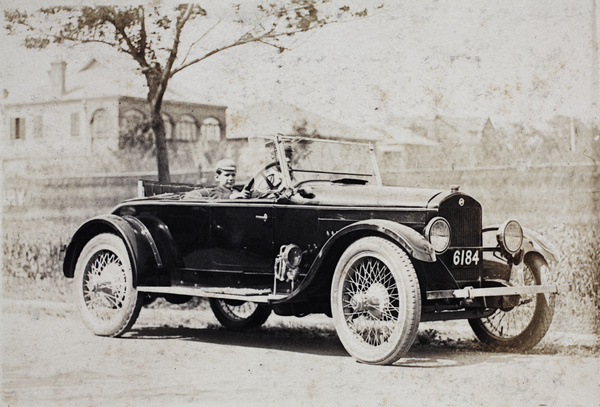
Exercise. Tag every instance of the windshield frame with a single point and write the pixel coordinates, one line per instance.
(280, 141)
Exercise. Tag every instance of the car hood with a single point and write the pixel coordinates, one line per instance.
(363, 195)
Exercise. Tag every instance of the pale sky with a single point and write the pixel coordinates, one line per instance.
(508, 60)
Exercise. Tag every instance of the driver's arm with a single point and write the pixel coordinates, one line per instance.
(243, 194)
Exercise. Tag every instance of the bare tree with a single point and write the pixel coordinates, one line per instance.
(165, 42)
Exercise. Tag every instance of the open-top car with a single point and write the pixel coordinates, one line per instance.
(319, 233)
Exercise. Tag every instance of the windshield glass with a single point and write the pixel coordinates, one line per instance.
(315, 159)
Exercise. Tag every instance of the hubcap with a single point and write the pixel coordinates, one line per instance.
(104, 284)
(374, 301)
(370, 301)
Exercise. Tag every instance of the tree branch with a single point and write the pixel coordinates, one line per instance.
(241, 41)
(280, 48)
(143, 37)
(181, 21)
(131, 49)
(198, 40)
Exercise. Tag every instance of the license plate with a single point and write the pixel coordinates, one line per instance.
(466, 257)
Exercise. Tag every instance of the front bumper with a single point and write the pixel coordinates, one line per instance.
(471, 292)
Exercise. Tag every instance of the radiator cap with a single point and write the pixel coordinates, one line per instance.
(454, 188)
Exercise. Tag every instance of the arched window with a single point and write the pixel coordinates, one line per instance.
(186, 128)
(168, 126)
(130, 120)
(211, 129)
(101, 124)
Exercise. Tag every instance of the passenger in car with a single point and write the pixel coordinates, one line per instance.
(226, 171)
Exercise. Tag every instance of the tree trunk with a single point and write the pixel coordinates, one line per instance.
(160, 140)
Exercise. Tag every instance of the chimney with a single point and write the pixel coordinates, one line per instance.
(57, 77)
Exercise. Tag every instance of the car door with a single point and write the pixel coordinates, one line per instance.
(242, 235)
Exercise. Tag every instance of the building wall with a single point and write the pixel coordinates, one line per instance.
(49, 129)
(175, 110)
(68, 132)
(102, 124)
(55, 132)
(192, 145)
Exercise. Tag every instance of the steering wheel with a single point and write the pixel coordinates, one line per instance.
(268, 180)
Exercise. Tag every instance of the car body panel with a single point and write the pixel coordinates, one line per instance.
(533, 242)
(145, 259)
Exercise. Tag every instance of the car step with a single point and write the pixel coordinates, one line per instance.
(229, 293)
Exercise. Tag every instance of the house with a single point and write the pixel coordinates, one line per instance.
(439, 141)
(402, 148)
(82, 113)
(268, 118)
(401, 142)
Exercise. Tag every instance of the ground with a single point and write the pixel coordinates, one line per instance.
(178, 357)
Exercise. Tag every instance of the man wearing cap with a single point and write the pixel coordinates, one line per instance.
(225, 175)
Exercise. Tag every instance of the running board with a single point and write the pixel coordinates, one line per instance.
(226, 293)
(471, 292)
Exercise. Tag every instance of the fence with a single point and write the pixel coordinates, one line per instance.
(538, 194)
(74, 197)
(567, 193)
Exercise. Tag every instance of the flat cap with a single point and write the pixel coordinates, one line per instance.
(226, 164)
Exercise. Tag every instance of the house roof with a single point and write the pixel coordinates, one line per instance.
(268, 118)
(96, 78)
(439, 128)
(395, 138)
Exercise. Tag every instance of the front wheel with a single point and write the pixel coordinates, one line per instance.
(375, 301)
(239, 315)
(523, 326)
(104, 293)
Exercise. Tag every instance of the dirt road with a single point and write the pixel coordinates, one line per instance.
(171, 359)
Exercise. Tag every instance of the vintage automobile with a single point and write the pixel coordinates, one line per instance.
(319, 234)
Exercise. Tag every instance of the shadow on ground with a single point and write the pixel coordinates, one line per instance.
(435, 354)
(282, 339)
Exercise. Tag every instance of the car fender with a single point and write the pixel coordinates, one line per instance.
(415, 244)
(533, 242)
(142, 250)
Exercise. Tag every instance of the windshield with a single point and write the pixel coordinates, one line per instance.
(321, 160)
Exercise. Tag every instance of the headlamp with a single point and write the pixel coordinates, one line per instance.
(437, 232)
(510, 236)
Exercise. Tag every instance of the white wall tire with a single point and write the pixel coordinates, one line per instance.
(522, 327)
(376, 301)
(103, 286)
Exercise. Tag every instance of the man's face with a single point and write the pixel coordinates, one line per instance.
(226, 179)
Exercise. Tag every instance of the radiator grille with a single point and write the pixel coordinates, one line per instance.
(465, 224)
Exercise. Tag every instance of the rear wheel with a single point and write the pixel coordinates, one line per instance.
(522, 326)
(239, 315)
(104, 292)
(375, 301)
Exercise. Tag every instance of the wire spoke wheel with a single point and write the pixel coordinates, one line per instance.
(104, 292)
(239, 315)
(104, 284)
(370, 301)
(375, 301)
(524, 322)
